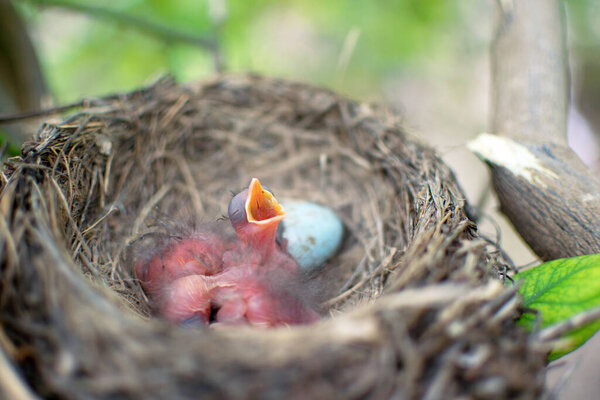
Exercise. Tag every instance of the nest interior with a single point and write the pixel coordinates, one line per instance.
(413, 305)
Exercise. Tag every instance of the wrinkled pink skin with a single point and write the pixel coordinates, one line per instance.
(242, 289)
(201, 254)
(248, 280)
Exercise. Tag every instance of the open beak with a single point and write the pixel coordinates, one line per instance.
(255, 215)
(261, 206)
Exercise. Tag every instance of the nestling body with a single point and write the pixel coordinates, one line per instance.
(248, 279)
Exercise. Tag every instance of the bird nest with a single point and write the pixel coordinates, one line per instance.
(412, 305)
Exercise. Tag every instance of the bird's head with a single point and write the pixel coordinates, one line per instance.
(255, 215)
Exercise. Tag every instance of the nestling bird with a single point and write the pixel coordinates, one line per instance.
(247, 279)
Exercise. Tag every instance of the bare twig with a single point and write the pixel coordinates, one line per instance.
(84, 103)
(39, 113)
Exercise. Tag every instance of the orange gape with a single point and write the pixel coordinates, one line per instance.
(248, 280)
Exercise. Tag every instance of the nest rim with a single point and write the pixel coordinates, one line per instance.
(418, 288)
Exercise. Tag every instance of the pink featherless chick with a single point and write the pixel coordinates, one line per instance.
(248, 280)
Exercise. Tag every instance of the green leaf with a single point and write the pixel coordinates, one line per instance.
(12, 149)
(558, 290)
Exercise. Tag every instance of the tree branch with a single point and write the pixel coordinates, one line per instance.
(549, 195)
(22, 84)
(159, 31)
(530, 77)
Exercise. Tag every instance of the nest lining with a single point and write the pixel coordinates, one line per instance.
(415, 310)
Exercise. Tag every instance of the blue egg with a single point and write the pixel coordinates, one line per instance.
(313, 233)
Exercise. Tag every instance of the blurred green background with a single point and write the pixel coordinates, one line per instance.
(361, 48)
(310, 40)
